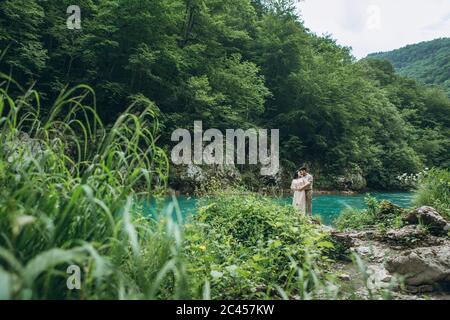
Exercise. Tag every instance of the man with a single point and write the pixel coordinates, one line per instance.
(308, 189)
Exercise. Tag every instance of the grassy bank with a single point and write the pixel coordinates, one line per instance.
(67, 185)
(432, 189)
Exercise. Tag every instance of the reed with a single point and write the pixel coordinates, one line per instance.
(70, 190)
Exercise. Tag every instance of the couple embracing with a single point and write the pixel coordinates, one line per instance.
(302, 185)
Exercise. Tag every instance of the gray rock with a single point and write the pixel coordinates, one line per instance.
(345, 277)
(420, 289)
(343, 238)
(422, 266)
(408, 235)
(429, 217)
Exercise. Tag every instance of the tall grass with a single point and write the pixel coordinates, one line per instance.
(69, 195)
(434, 190)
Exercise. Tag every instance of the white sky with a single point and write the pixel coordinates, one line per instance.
(377, 25)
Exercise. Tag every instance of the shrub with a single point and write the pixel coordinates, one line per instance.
(247, 247)
(379, 214)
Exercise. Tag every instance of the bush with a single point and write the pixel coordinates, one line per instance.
(245, 246)
(434, 190)
(379, 214)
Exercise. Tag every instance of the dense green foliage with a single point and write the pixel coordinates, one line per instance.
(428, 62)
(234, 64)
(381, 215)
(246, 246)
(67, 189)
(434, 190)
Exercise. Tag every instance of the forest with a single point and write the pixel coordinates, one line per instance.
(427, 62)
(234, 64)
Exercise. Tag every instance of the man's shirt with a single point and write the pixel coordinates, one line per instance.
(310, 179)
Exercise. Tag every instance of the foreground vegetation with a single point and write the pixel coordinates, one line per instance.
(248, 247)
(432, 189)
(66, 192)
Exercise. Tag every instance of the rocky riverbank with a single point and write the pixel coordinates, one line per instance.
(412, 262)
(186, 179)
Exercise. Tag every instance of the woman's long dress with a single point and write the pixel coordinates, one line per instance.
(299, 201)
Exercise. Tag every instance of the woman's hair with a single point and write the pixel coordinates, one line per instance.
(296, 175)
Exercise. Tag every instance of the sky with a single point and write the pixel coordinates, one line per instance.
(377, 25)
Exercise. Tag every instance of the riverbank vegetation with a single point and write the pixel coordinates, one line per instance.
(379, 214)
(432, 189)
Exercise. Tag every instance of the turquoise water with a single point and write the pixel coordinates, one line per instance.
(327, 207)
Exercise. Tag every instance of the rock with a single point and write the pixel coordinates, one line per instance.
(387, 278)
(363, 251)
(379, 278)
(351, 180)
(406, 236)
(372, 251)
(430, 218)
(420, 289)
(344, 239)
(345, 277)
(422, 266)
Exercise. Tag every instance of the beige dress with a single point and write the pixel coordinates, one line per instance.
(299, 201)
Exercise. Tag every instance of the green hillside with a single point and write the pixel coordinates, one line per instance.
(428, 62)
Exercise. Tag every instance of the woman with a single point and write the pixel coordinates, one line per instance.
(297, 185)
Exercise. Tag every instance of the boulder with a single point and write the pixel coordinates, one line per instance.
(406, 236)
(429, 217)
(352, 180)
(344, 239)
(345, 277)
(422, 266)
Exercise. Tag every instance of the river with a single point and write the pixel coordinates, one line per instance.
(327, 207)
